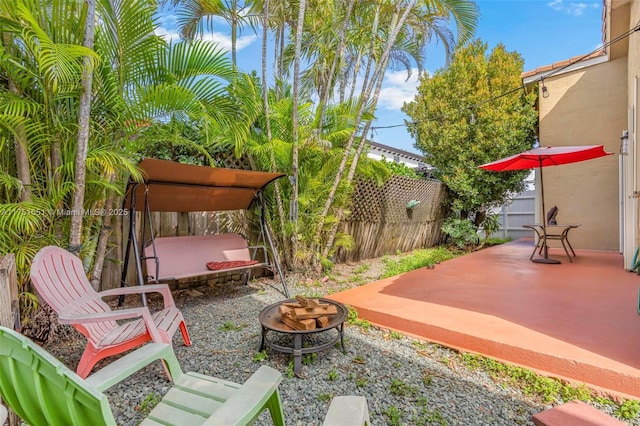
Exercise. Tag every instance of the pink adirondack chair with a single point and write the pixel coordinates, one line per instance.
(60, 280)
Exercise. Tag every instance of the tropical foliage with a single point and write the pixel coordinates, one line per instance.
(138, 82)
(468, 114)
(90, 86)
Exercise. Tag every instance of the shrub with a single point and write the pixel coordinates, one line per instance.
(461, 232)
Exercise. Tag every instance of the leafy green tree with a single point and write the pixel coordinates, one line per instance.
(471, 113)
(400, 169)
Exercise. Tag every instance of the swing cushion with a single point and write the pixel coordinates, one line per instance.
(199, 255)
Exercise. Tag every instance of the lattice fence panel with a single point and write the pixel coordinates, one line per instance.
(381, 224)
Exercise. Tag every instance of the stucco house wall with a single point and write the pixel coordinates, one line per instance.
(621, 17)
(592, 100)
(585, 107)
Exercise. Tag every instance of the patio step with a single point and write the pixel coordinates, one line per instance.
(575, 413)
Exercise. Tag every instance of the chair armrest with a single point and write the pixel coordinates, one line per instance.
(141, 312)
(124, 367)
(247, 402)
(71, 318)
(163, 289)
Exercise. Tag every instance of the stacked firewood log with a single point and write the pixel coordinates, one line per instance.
(306, 313)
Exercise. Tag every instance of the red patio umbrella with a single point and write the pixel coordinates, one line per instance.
(543, 157)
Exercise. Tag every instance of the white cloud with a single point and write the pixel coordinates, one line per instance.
(223, 40)
(168, 35)
(396, 89)
(573, 8)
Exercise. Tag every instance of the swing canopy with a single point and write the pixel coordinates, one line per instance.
(176, 187)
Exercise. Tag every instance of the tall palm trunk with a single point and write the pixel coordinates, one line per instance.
(84, 112)
(356, 70)
(22, 154)
(265, 100)
(103, 238)
(296, 142)
(234, 32)
(337, 61)
(397, 22)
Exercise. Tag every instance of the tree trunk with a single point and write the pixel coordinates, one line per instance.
(103, 238)
(22, 154)
(378, 75)
(75, 233)
(335, 64)
(234, 32)
(265, 100)
(280, 60)
(356, 70)
(296, 142)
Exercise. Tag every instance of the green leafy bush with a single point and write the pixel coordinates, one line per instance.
(462, 232)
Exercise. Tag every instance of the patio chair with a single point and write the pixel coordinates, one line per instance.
(43, 391)
(551, 216)
(60, 280)
(347, 411)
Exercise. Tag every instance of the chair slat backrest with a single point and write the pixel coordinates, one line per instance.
(43, 391)
(60, 280)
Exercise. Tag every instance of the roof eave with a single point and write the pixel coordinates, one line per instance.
(533, 77)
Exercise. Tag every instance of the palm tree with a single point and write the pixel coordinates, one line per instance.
(265, 104)
(137, 80)
(75, 234)
(295, 135)
(397, 29)
(196, 16)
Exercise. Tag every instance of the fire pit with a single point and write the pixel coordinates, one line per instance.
(321, 315)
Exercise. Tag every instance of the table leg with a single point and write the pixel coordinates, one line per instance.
(565, 237)
(533, 253)
(565, 249)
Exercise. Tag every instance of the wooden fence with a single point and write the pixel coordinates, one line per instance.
(380, 224)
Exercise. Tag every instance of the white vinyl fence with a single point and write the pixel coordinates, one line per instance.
(520, 212)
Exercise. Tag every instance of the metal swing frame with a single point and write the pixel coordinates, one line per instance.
(184, 188)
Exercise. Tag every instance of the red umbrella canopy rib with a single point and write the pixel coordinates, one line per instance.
(546, 156)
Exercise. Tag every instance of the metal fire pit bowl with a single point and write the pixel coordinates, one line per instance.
(270, 321)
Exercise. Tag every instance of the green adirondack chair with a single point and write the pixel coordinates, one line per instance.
(43, 391)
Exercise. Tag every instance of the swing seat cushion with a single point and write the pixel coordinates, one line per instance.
(198, 255)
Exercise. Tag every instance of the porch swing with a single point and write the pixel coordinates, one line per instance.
(173, 187)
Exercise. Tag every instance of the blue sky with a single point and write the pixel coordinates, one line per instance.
(542, 31)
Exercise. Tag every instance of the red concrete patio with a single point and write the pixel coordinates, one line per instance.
(575, 320)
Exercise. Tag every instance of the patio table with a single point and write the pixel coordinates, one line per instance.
(553, 232)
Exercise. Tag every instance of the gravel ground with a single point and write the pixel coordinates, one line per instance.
(406, 382)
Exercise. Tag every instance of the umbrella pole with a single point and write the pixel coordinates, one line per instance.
(544, 259)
